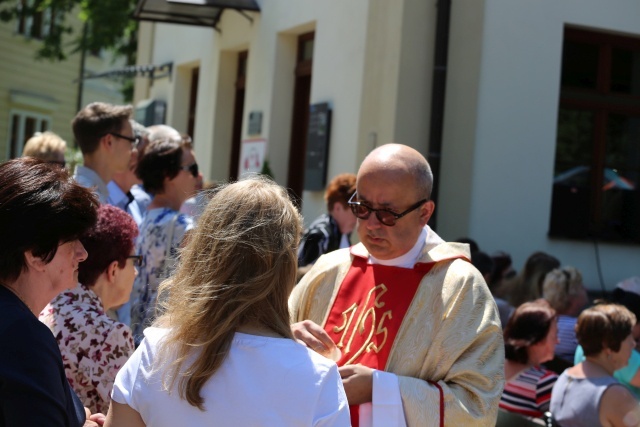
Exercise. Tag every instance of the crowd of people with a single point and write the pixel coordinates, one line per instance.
(133, 298)
(568, 361)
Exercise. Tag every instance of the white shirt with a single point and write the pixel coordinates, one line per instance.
(263, 381)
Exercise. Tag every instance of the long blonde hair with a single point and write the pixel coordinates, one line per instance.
(239, 267)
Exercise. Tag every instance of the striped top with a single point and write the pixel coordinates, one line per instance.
(529, 393)
(566, 348)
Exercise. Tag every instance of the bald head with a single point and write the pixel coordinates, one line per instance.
(399, 160)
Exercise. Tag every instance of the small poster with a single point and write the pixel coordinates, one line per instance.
(252, 155)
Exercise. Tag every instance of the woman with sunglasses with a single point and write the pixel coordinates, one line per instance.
(94, 346)
(169, 172)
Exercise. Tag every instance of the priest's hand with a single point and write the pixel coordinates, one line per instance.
(313, 336)
(358, 383)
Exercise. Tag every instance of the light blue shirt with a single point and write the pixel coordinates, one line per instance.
(119, 199)
(88, 178)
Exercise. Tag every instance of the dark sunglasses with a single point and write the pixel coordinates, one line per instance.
(385, 216)
(137, 260)
(193, 168)
(133, 140)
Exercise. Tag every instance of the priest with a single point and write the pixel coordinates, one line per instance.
(409, 320)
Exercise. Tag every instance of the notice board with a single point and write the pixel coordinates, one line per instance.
(318, 135)
(252, 155)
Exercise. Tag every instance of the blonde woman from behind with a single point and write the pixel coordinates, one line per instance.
(223, 353)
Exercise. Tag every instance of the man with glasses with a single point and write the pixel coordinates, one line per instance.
(106, 139)
(410, 322)
(125, 189)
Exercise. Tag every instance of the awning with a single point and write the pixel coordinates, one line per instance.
(205, 13)
(150, 71)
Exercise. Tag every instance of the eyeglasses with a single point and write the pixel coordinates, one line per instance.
(137, 260)
(135, 140)
(385, 216)
(193, 168)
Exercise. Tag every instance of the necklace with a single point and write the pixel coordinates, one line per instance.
(16, 293)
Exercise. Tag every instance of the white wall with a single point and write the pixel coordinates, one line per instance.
(338, 66)
(187, 47)
(505, 114)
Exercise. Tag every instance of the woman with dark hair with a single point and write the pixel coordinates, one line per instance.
(169, 172)
(223, 352)
(587, 395)
(42, 214)
(527, 285)
(78, 316)
(530, 338)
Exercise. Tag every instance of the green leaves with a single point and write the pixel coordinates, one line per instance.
(55, 23)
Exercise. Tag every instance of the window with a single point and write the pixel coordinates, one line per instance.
(22, 126)
(596, 186)
(34, 23)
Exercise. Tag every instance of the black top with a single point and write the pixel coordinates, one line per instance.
(34, 390)
(323, 236)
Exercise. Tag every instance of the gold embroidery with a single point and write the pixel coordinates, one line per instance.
(381, 330)
(376, 327)
(345, 324)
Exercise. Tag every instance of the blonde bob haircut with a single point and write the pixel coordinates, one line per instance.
(560, 286)
(45, 146)
(238, 268)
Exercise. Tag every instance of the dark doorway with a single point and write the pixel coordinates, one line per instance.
(300, 117)
(193, 96)
(238, 108)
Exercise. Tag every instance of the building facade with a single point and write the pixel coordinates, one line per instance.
(541, 121)
(40, 95)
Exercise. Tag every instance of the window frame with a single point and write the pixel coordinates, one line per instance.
(21, 137)
(25, 22)
(602, 102)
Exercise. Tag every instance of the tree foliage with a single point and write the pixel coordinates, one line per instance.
(109, 26)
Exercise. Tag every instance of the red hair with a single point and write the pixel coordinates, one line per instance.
(340, 190)
(110, 240)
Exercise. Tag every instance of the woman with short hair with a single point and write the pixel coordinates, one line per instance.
(42, 214)
(46, 146)
(169, 172)
(530, 337)
(627, 294)
(564, 290)
(587, 395)
(223, 352)
(78, 316)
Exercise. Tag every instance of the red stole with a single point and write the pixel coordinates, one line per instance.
(368, 312)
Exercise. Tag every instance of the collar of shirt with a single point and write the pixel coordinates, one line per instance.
(407, 260)
(90, 179)
(117, 197)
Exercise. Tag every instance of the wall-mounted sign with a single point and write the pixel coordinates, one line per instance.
(315, 173)
(252, 155)
(255, 123)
